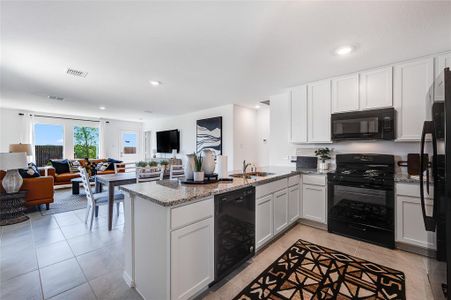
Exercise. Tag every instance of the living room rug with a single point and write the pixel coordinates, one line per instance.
(64, 201)
(310, 271)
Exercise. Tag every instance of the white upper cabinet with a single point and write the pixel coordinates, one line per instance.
(299, 114)
(413, 97)
(345, 93)
(441, 62)
(376, 88)
(319, 102)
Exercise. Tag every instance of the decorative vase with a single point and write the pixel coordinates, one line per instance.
(12, 181)
(199, 176)
(323, 166)
(189, 166)
(208, 161)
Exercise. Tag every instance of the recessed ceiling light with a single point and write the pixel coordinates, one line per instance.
(102, 107)
(344, 50)
(257, 106)
(155, 82)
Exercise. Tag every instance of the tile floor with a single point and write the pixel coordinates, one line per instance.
(57, 257)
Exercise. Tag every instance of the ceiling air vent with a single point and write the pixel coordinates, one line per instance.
(266, 102)
(74, 72)
(56, 98)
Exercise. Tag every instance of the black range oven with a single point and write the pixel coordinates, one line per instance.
(378, 124)
(361, 198)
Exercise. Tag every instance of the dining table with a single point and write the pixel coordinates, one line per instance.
(111, 181)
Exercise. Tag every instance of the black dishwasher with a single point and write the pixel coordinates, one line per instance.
(234, 230)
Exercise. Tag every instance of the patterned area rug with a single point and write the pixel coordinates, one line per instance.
(309, 271)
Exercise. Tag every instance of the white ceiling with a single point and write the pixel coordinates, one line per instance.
(205, 53)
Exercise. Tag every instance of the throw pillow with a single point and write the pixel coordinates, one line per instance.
(102, 166)
(61, 166)
(112, 161)
(73, 166)
(30, 172)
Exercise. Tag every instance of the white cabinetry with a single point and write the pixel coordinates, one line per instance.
(319, 102)
(314, 198)
(409, 220)
(280, 210)
(441, 62)
(345, 93)
(299, 114)
(264, 220)
(376, 88)
(294, 201)
(192, 256)
(413, 97)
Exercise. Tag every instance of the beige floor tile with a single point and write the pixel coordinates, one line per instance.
(25, 286)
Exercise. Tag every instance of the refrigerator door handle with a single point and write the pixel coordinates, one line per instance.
(429, 222)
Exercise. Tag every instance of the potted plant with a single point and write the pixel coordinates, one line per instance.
(141, 164)
(323, 155)
(198, 173)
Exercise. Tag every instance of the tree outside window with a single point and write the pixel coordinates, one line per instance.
(86, 142)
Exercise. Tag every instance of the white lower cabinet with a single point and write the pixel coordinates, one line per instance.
(293, 203)
(314, 203)
(264, 220)
(280, 210)
(409, 219)
(192, 259)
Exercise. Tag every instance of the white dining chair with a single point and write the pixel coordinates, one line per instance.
(176, 171)
(150, 174)
(96, 199)
(127, 167)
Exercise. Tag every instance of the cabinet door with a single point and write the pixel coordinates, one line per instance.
(413, 97)
(441, 62)
(314, 203)
(299, 114)
(319, 102)
(192, 259)
(345, 93)
(280, 210)
(264, 220)
(293, 203)
(376, 88)
(409, 222)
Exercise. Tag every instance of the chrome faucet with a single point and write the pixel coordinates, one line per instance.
(245, 165)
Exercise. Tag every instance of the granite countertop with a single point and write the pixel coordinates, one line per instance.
(404, 178)
(172, 192)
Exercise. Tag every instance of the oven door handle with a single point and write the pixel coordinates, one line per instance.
(429, 222)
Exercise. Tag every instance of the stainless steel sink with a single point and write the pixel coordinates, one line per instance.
(251, 174)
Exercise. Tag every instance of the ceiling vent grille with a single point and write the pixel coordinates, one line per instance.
(56, 98)
(266, 102)
(77, 73)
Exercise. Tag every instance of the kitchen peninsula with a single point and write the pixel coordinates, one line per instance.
(169, 228)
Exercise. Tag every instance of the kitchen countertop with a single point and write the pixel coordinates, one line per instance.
(404, 178)
(172, 192)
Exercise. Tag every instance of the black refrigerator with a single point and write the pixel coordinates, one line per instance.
(435, 177)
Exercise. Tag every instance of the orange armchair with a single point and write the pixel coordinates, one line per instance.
(39, 190)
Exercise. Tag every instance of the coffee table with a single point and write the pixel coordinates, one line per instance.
(76, 184)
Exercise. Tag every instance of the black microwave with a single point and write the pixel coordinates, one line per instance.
(377, 124)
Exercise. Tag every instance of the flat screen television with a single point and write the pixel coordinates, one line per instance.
(168, 140)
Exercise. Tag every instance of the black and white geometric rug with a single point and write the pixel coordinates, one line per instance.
(310, 271)
(64, 201)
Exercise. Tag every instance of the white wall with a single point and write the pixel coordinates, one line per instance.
(263, 132)
(15, 128)
(187, 125)
(245, 137)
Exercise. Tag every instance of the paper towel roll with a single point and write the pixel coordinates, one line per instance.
(221, 167)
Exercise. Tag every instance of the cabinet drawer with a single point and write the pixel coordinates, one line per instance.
(412, 190)
(314, 179)
(191, 213)
(269, 188)
(293, 180)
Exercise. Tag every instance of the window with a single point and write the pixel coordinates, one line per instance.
(86, 142)
(129, 142)
(48, 140)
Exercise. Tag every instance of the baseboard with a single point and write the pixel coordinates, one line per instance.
(128, 280)
(415, 249)
(314, 224)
